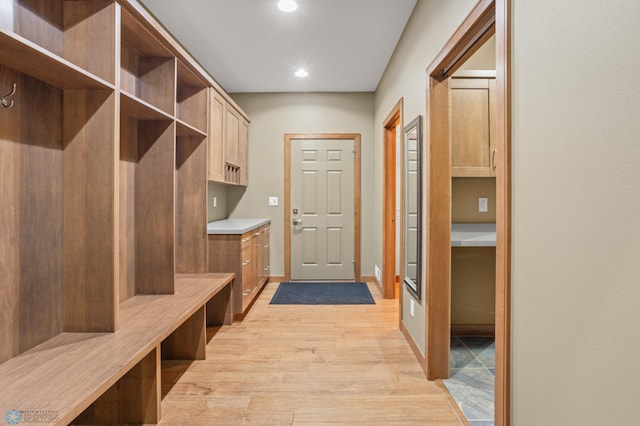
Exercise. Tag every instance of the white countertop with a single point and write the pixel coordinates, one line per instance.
(473, 235)
(235, 225)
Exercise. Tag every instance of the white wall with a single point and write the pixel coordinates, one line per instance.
(576, 210)
(274, 114)
(431, 25)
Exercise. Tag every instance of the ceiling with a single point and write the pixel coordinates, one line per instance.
(251, 46)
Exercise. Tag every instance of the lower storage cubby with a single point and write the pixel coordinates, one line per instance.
(134, 399)
(115, 378)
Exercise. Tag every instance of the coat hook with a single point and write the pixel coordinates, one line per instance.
(4, 99)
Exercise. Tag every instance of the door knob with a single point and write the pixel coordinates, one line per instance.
(297, 222)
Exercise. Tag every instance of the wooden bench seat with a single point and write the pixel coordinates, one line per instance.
(119, 373)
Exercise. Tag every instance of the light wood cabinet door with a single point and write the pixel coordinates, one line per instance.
(243, 152)
(248, 270)
(217, 108)
(244, 255)
(266, 253)
(232, 123)
(228, 142)
(472, 127)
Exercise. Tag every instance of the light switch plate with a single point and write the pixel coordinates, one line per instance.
(215, 201)
(483, 205)
(412, 308)
(273, 201)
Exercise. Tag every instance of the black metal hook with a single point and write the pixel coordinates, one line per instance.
(4, 99)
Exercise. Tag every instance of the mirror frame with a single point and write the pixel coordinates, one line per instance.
(414, 287)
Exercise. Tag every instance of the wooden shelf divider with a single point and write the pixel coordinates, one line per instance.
(22, 55)
(186, 129)
(135, 107)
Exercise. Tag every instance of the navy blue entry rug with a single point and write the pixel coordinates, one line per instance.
(322, 293)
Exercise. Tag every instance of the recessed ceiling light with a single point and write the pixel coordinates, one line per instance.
(287, 5)
(301, 73)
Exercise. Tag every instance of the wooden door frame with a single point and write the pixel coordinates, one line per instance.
(394, 119)
(487, 18)
(355, 137)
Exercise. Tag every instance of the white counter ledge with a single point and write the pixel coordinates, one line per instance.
(235, 226)
(473, 235)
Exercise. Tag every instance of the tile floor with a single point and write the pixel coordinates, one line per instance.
(472, 378)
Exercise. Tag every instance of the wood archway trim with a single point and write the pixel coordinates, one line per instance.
(487, 18)
(389, 127)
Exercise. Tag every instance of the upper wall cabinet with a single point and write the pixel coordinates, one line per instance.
(217, 108)
(473, 124)
(228, 142)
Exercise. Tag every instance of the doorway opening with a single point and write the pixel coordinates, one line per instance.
(392, 130)
(489, 17)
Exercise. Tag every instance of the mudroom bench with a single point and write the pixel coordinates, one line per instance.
(115, 378)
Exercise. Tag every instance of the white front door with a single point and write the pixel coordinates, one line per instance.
(322, 209)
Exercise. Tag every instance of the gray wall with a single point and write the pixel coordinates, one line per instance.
(430, 26)
(274, 114)
(220, 192)
(576, 204)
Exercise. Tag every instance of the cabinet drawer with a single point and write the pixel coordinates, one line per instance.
(245, 242)
(245, 254)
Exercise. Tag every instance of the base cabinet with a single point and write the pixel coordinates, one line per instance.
(246, 255)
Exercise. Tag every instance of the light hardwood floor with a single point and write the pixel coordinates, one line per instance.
(300, 365)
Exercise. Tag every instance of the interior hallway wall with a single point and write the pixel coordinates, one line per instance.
(576, 204)
(274, 114)
(429, 28)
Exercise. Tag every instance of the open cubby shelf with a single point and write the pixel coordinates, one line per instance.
(191, 99)
(147, 157)
(186, 129)
(103, 165)
(147, 68)
(27, 57)
(82, 32)
(137, 108)
(191, 216)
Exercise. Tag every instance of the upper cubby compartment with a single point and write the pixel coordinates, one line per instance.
(68, 43)
(191, 99)
(147, 68)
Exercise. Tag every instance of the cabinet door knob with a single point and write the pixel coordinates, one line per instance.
(493, 159)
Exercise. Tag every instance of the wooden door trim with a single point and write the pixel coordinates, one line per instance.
(487, 18)
(393, 119)
(503, 212)
(287, 194)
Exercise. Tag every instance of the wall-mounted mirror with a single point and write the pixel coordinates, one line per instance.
(412, 227)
